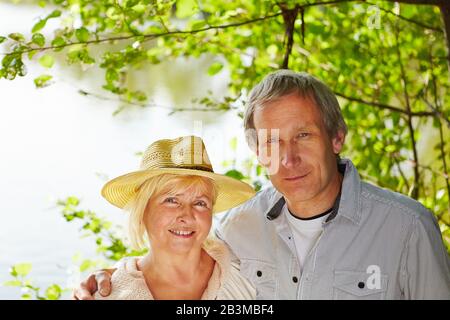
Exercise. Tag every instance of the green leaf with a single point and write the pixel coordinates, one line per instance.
(85, 265)
(42, 81)
(22, 269)
(139, 8)
(46, 61)
(111, 75)
(38, 39)
(186, 8)
(233, 143)
(39, 26)
(2, 39)
(58, 42)
(12, 283)
(73, 201)
(16, 36)
(79, 55)
(54, 14)
(82, 34)
(215, 68)
(259, 170)
(200, 24)
(53, 292)
(31, 54)
(235, 174)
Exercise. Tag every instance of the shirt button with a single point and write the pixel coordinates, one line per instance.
(259, 273)
(361, 285)
(295, 279)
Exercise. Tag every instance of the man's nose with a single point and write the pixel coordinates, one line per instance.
(290, 156)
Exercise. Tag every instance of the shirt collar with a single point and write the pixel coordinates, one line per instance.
(347, 203)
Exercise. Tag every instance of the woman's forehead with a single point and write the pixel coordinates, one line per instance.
(194, 190)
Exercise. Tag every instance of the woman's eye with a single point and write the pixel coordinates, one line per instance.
(303, 134)
(201, 204)
(170, 200)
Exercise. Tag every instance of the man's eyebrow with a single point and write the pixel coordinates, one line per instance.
(307, 126)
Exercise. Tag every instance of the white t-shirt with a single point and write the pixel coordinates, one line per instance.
(306, 232)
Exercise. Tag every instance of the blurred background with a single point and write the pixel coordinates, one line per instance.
(77, 110)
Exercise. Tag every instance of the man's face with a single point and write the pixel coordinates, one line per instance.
(306, 157)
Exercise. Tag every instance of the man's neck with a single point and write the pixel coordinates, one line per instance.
(320, 203)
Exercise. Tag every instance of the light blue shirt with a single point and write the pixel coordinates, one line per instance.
(378, 244)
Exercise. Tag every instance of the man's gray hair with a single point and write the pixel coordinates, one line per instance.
(285, 82)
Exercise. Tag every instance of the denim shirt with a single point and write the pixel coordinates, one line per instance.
(376, 244)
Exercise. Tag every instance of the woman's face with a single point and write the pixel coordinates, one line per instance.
(179, 222)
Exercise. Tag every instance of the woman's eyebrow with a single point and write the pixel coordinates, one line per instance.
(203, 196)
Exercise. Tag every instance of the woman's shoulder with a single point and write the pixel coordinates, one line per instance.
(233, 285)
(236, 286)
(127, 282)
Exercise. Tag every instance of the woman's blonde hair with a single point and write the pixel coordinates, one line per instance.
(161, 184)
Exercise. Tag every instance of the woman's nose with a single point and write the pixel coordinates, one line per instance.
(185, 213)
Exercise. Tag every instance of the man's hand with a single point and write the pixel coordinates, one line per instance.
(100, 280)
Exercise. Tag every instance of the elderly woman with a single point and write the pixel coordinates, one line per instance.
(171, 201)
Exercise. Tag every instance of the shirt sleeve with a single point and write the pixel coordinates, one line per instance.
(426, 261)
(220, 224)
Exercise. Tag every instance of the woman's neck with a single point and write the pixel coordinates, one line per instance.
(181, 269)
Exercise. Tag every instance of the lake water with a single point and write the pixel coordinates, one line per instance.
(56, 143)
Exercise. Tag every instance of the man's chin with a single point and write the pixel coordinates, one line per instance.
(298, 194)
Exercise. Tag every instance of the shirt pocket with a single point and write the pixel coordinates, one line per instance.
(263, 277)
(353, 285)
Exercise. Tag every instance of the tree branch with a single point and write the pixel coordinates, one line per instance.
(415, 191)
(436, 111)
(445, 13)
(418, 2)
(289, 17)
(144, 105)
(421, 2)
(420, 24)
(387, 107)
(237, 24)
(397, 163)
(148, 36)
(441, 133)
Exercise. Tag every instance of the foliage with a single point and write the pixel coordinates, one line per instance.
(108, 238)
(387, 63)
(109, 244)
(19, 273)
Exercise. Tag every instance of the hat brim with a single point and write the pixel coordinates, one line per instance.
(231, 192)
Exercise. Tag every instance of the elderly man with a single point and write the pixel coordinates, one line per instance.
(320, 232)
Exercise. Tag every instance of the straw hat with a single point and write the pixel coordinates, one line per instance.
(184, 156)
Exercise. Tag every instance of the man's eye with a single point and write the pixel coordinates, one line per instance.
(303, 134)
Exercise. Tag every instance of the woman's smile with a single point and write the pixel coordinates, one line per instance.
(182, 234)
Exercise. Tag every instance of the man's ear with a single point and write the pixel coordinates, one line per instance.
(338, 141)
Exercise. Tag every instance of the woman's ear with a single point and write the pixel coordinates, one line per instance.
(338, 142)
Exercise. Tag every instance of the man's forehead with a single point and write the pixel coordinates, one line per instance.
(288, 110)
(307, 125)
